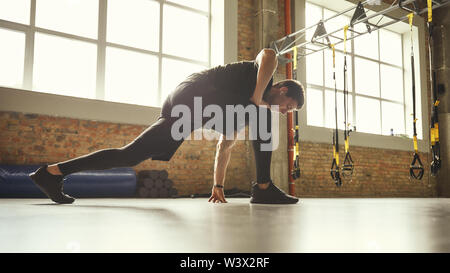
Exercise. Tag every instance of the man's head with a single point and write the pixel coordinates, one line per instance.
(287, 94)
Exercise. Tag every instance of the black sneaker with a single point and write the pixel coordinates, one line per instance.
(271, 195)
(51, 185)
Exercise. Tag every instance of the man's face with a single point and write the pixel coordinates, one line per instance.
(278, 97)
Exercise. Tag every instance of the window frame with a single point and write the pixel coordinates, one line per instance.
(101, 44)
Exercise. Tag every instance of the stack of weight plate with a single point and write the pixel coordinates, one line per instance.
(155, 184)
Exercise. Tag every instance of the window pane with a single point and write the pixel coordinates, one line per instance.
(189, 39)
(391, 83)
(367, 44)
(392, 118)
(174, 72)
(314, 16)
(15, 10)
(367, 77)
(314, 68)
(390, 47)
(197, 4)
(64, 66)
(12, 54)
(330, 118)
(329, 82)
(131, 77)
(133, 23)
(368, 115)
(314, 107)
(75, 17)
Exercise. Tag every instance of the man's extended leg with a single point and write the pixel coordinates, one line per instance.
(154, 142)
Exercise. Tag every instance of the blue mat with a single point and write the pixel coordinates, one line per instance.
(118, 182)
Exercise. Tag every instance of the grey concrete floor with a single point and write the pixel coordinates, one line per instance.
(194, 225)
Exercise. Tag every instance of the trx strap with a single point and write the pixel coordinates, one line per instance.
(434, 124)
(335, 164)
(296, 169)
(416, 168)
(347, 168)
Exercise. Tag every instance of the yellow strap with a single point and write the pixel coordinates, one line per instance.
(336, 155)
(297, 150)
(295, 57)
(346, 145)
(345, 38)
(410, 18)
(415, 143)
(432, 136)
(436, 103)
(334, 55)
(430, 12)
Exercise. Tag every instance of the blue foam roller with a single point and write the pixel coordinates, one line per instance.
(118, 182)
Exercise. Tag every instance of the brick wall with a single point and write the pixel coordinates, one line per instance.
(377, 173)
(246, 30)
(34, 139)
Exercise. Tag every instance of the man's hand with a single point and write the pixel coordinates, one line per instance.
(217, 195)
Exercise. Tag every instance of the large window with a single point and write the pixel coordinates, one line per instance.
(116, 50)
(378, 100)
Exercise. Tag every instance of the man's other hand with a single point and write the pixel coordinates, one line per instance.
(217, 195)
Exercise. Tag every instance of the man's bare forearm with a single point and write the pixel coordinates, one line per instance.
(220, 165)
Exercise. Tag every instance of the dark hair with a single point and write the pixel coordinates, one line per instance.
(295, 91)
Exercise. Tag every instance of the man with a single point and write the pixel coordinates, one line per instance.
(242, 83)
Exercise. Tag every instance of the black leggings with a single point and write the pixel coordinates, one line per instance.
(156, 143)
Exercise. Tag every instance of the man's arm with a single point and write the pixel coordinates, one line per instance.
(222, 159)
(267, 62)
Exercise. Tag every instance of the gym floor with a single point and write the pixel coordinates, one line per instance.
(194, 225)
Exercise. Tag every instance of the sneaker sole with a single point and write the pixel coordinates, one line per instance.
(274, 202)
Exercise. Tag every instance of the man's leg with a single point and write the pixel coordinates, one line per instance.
(264, 191)
(262, 149)
(263, 161)
(154, 141)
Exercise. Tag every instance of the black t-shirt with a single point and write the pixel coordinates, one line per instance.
(229, 84)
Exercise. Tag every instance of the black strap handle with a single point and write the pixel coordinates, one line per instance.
(335, 173)
(416, 169)
(348, 166)
(436, 162)
(296, 171)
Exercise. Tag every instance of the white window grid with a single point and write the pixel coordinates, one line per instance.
(30, 30)
(352, 92)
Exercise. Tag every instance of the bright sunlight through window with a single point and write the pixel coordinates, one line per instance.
(124, 51)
